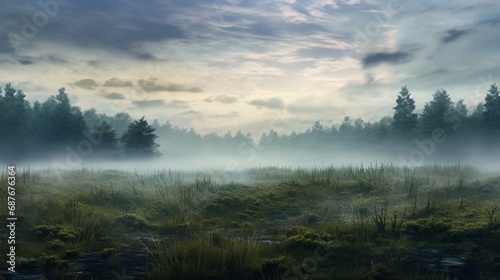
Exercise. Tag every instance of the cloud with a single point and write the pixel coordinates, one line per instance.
(25, 61)
(86, 84)
(5, 46)
(272, 103)
(131, 25)
(115, 82)
(222, 99)
(177, 87)
(265, 29)
(151, 86)
(177, 104)
(232, 114)
(174, 104)
(191, 112)
(373, 59)
(452, 35)
(149, 103)
(145, 56)
(56, 59)
(113, 96)
(319, 52)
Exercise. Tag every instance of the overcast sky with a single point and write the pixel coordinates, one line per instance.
(250, 65)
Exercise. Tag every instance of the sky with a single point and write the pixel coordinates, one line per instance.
(228, 65)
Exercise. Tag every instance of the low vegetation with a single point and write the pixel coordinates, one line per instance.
(352, 222)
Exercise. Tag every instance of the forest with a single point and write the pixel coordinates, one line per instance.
(420, 219)
(42, 130)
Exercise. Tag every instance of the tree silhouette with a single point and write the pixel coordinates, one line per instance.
(436, 114)
(106, 137)
(14, 112)
(405, 121)
(139, 140)
(491, 112)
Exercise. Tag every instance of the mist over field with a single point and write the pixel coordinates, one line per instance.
(259, 140)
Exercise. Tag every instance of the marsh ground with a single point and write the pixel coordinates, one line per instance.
(350, 222)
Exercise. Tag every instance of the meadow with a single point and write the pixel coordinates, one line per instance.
(333, 222)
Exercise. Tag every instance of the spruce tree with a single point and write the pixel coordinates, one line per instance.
(405, 121)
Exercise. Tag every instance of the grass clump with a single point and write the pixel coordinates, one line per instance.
(213, 256)
(132, 221)
(64, 233)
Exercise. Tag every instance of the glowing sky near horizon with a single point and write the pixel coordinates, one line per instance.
(230, 65)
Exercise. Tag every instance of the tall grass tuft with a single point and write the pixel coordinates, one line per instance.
(211, 256)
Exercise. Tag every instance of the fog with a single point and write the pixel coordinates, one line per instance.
(289, 158)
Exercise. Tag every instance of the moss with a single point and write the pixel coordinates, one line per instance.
(107, 253)
(54, 262)
(72, 253)
(311, 235)
(426, 228)
(211, 222)
(234, 224)
(247, 225)
(327, 237)
(297, 230)
(132, 221)
(64, 233)
(182, 227)
(301, 243)
(277, 265)
(55, 245)
(467, 230)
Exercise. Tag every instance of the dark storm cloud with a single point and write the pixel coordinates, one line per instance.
(86, 84)
(115, 82)
(452, 35)
(222, 99)
(272, 103)
(151, 86)
(114, 96)
(373, 59)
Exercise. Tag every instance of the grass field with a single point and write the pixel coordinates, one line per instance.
(351, 222)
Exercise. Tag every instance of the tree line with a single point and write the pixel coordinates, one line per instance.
(47, 128)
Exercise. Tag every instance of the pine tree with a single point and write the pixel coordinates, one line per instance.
(405, 121)
(491, 114)
(436, 114)
(139, 139)
(14, 114)
(107, 138)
